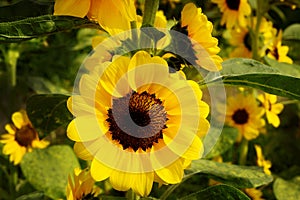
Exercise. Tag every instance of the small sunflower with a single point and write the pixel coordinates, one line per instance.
(81, 185)
(241, 38)
(261, 162)
(278, 52)
(113, 16)
(137, 122)
(244, 114)
(234, 12)
(272, 108)
(21, 138)
(199, 29)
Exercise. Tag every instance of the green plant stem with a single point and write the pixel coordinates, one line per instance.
(289, 102)
(243, 151)
(255, 32)
(130, 195)
(11, 57)
(151, 7)
(169, 191)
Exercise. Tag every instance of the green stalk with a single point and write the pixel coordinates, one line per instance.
(130, 195)
(255, 32)
(243, 151)
(11, 57)
(151, 7)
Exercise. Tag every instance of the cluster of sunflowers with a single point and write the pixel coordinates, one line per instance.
(150, 104)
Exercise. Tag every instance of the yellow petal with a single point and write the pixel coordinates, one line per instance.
(273, 119)
(85, 128)
(173, 173)
(20, 119)
(277, 108)
(122, 181)
(100, 171)
(195, 150)
(143, 183)
(76, 8)
(10, 128)
(82, 152)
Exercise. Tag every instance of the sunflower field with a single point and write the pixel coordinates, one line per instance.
(149, 99)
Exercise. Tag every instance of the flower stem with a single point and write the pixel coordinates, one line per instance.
(151, 7)
(169, 191)
(130, 195)
(255, 32)
(243, 151)
(11, 56)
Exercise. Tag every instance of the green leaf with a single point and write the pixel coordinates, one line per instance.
(284, 68)
(291, 32)
(287, 189)
(48, 169)
(47, 112)
(220, 192)
(251, 73)
(41, 86)
(235, 175)
(225, 142)
(33, 196)
(29, 28)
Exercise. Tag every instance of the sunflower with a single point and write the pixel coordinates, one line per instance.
(278, 52)
(241, 38)
(199, 29)
(272, 108)
(234, 12)
(244, 114)
(21, 138)
(137, 122)
(113, 16)
(81, 185)
(261, 162)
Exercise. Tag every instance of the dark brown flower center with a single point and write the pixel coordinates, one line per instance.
(233, 4)
(25, 135)
(248, 41)
(240, 116)
(274, 52)
(137, 120)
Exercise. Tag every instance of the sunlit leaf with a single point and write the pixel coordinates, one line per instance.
(284, 68)
(29, 28)
(235, 175)
(220, 192)
(33, 196)
(47, 112)
(251, 73)
(284, 189)
(47, 169)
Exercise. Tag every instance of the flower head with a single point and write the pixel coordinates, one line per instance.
(113, 16)
(271, 107)
(241, 38)
(81, 185)
(21, 137)
(278, 52)
(234, 12)
(244, 114)
(199, 29)
(261, 162)
(137, 122)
